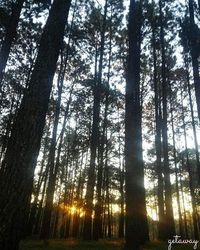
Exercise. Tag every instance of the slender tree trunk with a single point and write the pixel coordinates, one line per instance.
(23, 147)
(169, 218)
(87, 230)
(107, 190)
(87, 227)
(34, 207)
(136, 218)
(121, 183)
(76, 217)
(65, 229)
(97, 228)
(76, 220)
(7, 130)
(193, 120)
(104, 196)
(176, 169)
(11, 31)
(184, 210)
(66, 155)
(158, 139)
(38, 216)
(57, 213)
(194, 53)
(121, 216)
(191, 182)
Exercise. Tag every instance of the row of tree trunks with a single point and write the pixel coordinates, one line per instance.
(53, 161)
(97, 228)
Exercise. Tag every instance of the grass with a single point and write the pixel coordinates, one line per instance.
(100, 245)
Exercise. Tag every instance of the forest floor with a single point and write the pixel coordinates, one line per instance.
(100, 245)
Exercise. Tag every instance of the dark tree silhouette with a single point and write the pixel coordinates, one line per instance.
(17, 170)
(11, 29)
(136, 220)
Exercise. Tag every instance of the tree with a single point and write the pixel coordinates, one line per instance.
(11, 28)
(136, 220)
(87, 231)
(17, 170)
(158, 121)
(192, 37)
(169, 219)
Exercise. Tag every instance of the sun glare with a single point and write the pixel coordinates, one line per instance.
(73, 210)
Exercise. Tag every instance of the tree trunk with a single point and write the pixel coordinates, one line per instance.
(121, 216)
(121, 184)
(169, 218)
(191, 181)
(136, 218)
(23, 147)
(184, 210)
(194, 54)
(176, 169)
(193, 120)
(108, 203)
(7, 130)
(158, 144)
(11, 31)
(97, 228)
(34, 207)
(87, 230)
